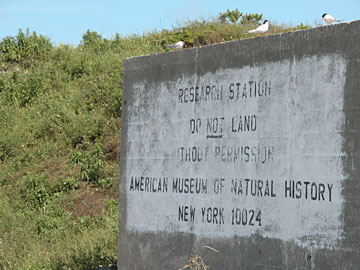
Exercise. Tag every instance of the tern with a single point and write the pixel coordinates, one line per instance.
(262, 28)
(329, 19)
(177, 45)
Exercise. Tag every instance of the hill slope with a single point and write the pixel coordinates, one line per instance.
(60, 124)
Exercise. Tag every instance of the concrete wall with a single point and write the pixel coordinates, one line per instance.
(250, 147)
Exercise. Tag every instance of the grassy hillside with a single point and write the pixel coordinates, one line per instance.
(60, 124)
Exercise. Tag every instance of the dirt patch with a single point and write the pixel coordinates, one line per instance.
(89, 201)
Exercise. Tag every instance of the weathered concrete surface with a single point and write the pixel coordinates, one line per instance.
(250, 147)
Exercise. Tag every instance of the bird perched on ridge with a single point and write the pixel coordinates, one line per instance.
(262, 28)
(329, 19)
(177, 45)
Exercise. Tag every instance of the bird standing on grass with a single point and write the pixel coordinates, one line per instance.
(178, 45)
(262, 28)
(329, 19)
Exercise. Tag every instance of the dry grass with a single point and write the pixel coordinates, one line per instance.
(196, 262)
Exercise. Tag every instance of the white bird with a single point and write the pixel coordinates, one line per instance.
(329, 19)
(262, 28)
(177, 45)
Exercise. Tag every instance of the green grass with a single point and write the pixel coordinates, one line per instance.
(60, 124)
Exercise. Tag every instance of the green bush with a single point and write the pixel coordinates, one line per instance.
(92, 166)
(251, 18)
(35, 190)
(94, 41)
(68, 184)
(116, 104)
(25, 46)
(231, 15)
(5, 148)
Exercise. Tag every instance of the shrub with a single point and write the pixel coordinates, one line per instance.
(5, 148)
(35, 190)
(38, 190)
(69, 184)
(231, 15)
(251, 18)
(25, 46)
(92, 166)
(116, 104)
(94, 41)
(91, 38)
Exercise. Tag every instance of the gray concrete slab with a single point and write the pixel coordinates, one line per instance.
(249, 147)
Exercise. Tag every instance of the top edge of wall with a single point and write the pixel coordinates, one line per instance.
(259, 38)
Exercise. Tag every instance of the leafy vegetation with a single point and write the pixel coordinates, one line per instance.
(60, 123)
(234, 15)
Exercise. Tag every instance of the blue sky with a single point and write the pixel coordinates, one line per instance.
(66, 21)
